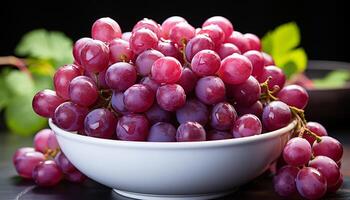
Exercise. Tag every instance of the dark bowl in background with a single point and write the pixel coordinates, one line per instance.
(331, 107)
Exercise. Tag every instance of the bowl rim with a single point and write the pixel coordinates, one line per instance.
(169, 145)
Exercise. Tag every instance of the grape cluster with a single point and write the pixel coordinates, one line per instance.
(45, 163)
(176, 83)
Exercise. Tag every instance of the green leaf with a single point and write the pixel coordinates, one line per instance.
(4, 93)
(285, 38)
(334, 79)
(292, 62)
(20, 117)
(47, 45)
(19, 83)
(267, 42)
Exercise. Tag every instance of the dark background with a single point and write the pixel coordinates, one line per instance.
(324, 25)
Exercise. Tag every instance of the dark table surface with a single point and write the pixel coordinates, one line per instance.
(13, 187)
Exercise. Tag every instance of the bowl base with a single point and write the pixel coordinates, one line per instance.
(171, 197)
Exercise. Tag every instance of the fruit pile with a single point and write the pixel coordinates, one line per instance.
(45, 163)
(175, 83)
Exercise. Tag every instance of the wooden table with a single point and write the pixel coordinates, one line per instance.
(13, 187)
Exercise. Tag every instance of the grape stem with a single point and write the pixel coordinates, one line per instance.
(298, 114)
(51, 153)
(182, 50)
(17, 62)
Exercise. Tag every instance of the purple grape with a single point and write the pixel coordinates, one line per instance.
(83, 91)
(120, 76)
(47, 173)
(276, 115)
(45, 102)
(145, 61)
(214, 32)
(75, 177)
(171, 97)
(41, 139)
(210, 90)
(277, 77)
(156, 114)
(162, 132)
(64, 164)
(218, 135)
(100, 123)
(284, 181)
(20, 152)
(133, 127)
(138, 98)
(70, 116)
(190, 132)
(297, 152)
(193, 110)
(294, 95)
(247, 125)
(310, 183)
(223, 115)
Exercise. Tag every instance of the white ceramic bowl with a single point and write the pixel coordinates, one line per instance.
(187, 170)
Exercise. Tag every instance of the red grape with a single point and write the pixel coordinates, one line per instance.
(257, 60)
(166, 70)
(210, 90)
(41, 140)
(218, 135)
(94, 56)
(255, 109)
(171, 97)
(294, 95)
(156, 114)
(268, 60)
(181, 33)
(117, 102)
(47, 173)
(328, 168)
(83, 91)
(20, 152)
(64, 164)
(310, 183)
(45, 102)
(138, 98)
(193, 110)
(120, 51)
(145, 61)
(190, 132)
(78, 46)
(253, 41)
(75, 177)
(284, 181)
(188, 80)
(120, 76)
(223, 115)
(148, 24)
(150, 83)
(126, 36)
(227, 49)
(246, 93)
(277, 77)
(133, 127)
(105, 29)
(205, 63)
(63, 76)
(239, 40)
(25, 163)
(297, 152)
(169, 23)
(316, 128)
(329, 147)
(215, 33)
(197, 44)
(100, 123)
(276, 115)
(162, 132)
(246, 125)
(168, 48)
(70, 116)
(143, 39)
(338, 185)
(222, 22)
(235, 69)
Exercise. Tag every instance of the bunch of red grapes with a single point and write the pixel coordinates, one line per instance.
(176, 83)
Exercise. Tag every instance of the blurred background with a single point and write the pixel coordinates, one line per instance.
(323, 26)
